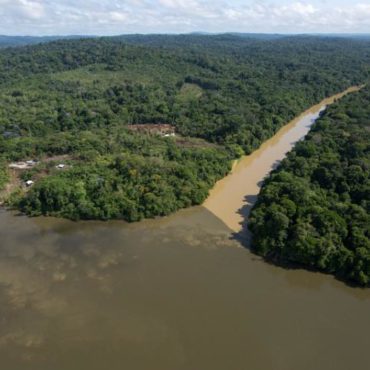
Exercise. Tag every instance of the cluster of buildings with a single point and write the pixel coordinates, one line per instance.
(23, 165)
(28, 165)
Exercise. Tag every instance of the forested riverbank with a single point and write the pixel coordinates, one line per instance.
(233, 197)
(223, 95)
(314, 209)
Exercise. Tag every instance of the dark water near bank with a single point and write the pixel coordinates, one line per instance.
(173, 294)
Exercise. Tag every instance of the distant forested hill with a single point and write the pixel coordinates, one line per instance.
(224, 94)
(315, 208)
(11, 41)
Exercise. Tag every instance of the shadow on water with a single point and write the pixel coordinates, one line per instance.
(245, 238)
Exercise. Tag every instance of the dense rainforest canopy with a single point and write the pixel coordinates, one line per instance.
(225, 95)
(315, 208)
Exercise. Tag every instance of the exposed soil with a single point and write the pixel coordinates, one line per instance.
(16, 182)
(13, 184)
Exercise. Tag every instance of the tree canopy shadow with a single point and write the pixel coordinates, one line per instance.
(245, 238)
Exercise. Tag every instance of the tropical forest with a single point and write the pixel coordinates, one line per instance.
(81, 102)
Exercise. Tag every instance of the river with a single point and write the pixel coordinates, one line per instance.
(178, 293)
(233, 197)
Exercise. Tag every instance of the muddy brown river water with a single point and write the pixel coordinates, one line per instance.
(233, 197)
(179, 293)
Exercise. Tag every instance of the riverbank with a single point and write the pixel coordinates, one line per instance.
(233, 197)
